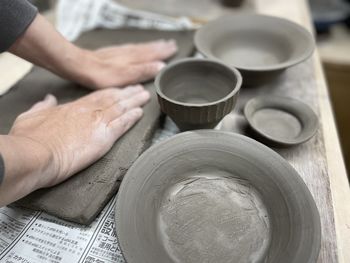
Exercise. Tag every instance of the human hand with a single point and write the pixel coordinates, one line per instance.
(114, 66)
(126, 64)
(71, 136)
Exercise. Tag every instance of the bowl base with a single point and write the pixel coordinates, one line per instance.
(219, 212)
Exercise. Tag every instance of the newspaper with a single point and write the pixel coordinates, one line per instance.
(28, 236)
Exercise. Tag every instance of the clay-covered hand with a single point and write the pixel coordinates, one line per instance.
(51, 142)
(114, 66)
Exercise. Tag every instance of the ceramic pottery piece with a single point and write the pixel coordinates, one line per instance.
(260, 47)
(197, 93)
(281, 121)
(213, 196)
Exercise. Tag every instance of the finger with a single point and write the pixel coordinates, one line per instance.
(141, 53)
(48, 102)
(140, 73)
(157, 50)
(129, 91)
(152, 51)
(122, 124)
(136, 100)
(118, 109)
(106, 98)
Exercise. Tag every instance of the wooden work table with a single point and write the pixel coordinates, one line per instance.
(319, 161)
(339, 244)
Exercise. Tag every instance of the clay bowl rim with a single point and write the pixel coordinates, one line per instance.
(202, 48)
(194, 137)
(288, 102)
(234, 71)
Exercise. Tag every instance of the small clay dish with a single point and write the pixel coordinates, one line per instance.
(197, 93)
(259, 46)
(281, 121)
(213, 196)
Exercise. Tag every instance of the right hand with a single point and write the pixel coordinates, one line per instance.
(71, 136)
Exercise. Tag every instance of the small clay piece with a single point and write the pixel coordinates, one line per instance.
(281, 121)
(197, 93)
(83, 196)
(213, 196)
(261, 47)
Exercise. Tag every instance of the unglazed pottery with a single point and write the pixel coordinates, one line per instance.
(197, 93)
(281, 121)
(213, 196)
(259, 46)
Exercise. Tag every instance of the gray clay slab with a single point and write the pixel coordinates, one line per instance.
(214, 196)
(82, 197)
(197, 93)
(281, 121)
(260, 46)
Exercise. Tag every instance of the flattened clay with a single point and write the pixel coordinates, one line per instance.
(82, 197)
(197, 93)
(213, 196)
(261, 47)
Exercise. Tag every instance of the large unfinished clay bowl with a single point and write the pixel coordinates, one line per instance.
(213, 196)
(259, 46)
(197, 93)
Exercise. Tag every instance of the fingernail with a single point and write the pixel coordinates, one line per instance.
(146, 93)
(139, 112)
(160, 65)
(49, 97)
(137, 86)
(171, 41)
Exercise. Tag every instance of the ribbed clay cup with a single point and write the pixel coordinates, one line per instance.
(197, 93)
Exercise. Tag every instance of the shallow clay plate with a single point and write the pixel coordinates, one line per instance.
(260, 46)
(281, 121)
(213, 196)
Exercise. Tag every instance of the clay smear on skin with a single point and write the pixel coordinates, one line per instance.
(214, 219)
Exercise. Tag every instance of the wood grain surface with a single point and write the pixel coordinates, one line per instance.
(319, 161)
(309, 158)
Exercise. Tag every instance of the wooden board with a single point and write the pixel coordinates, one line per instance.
(319, 161)
(309, 158)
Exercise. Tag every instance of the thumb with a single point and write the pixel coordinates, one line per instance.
(48, 102)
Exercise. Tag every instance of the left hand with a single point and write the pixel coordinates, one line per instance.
(127, 64)
(114, 66)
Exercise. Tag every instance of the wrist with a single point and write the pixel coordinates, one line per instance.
(87, 69)
(87, 66)
(27, 163)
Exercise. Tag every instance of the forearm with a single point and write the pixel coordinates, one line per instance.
(42, 45)
(26, 166)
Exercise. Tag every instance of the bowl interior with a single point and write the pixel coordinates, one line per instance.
(255, 42)
(197, 82)
(227, 193)
(281, 119)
